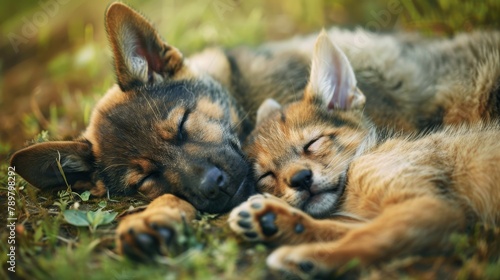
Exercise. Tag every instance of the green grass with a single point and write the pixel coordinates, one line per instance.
(54, 81)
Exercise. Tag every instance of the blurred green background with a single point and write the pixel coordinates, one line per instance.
(55, 62)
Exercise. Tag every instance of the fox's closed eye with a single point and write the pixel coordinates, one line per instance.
(266, 175)
(308, 145)
(315, 144)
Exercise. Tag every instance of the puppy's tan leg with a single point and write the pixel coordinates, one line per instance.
(408, 227)
(143, 235)
(265, 218)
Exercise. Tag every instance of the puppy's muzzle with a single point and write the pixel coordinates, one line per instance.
(213, 183)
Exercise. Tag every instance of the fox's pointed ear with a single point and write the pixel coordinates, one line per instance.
(268, 107)
(140, 55)
(332, 79)
(38, 165)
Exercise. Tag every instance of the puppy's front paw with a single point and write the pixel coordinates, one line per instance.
(144, 235)
(269, 219)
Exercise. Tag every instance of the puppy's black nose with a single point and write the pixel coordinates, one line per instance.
(302, 179)
(212, 181)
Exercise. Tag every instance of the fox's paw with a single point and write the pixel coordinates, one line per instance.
(144, 235)
(321, 260)
(297, 262)
(269, 219)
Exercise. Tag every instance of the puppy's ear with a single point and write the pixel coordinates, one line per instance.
(140, 55)
(266, 109)
(38, 164)
(332, 79)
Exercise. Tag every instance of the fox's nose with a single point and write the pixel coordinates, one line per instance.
(213, 180)
(302, 179)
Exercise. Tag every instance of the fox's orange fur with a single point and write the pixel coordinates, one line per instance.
(383, 194)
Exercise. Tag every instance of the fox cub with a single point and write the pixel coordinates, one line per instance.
(340, 189)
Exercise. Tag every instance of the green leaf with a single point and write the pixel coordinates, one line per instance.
(85, 196)
(102, 204)
(95, 218)
(108, 217)
(89, 218)
(76, 217)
